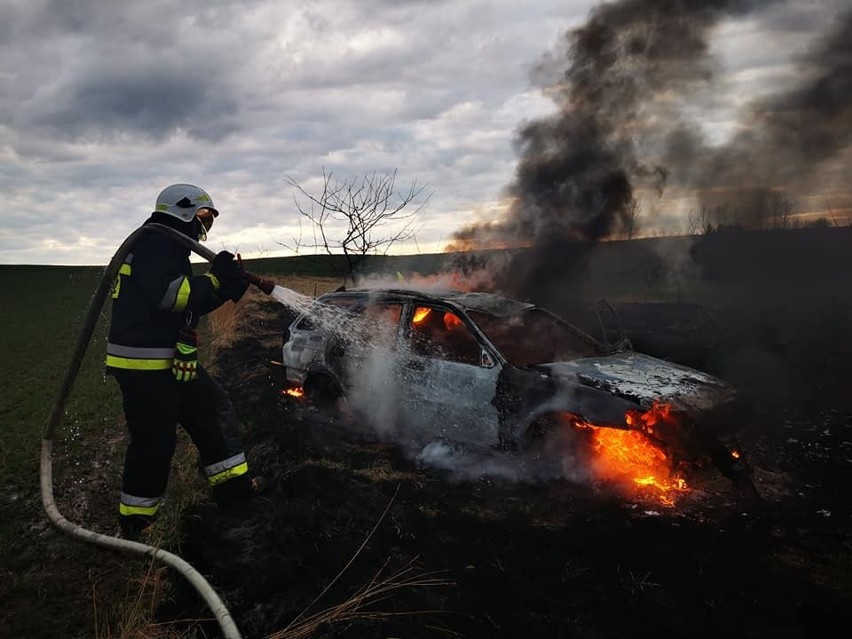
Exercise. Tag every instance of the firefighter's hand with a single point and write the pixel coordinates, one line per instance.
(225, 267)
(234, 288)
(185, 363)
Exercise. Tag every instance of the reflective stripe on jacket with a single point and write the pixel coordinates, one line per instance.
(139, 358)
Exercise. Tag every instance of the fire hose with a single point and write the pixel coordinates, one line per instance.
(217, 607)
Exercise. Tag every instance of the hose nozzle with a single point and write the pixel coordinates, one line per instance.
(264, 284)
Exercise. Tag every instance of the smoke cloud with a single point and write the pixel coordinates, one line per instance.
(786, 140)
(622, 132)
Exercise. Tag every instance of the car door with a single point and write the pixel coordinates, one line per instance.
(380, 385)
(452, 375)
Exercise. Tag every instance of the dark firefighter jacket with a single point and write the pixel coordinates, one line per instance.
(155, 295)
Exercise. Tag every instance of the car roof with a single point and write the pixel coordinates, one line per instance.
(490, 303)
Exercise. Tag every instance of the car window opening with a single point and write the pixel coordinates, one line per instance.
(532, 338)
(443, 335)
(327, 311)
(380, 323)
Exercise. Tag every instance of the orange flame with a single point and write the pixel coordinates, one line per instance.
(296, 391)
(420, 314)
(634, 457)
(452, 321)
(648, 421)
(626, 456)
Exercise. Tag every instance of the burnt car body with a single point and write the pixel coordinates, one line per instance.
(482, 369)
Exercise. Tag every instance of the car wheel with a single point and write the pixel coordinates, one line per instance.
(553, 436)
(535, 437)
(322, 391)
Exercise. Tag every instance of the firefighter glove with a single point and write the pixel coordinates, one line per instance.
(185, 364)
(234, 288)
(225, 267)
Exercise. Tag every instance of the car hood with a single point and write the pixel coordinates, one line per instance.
(645, 379)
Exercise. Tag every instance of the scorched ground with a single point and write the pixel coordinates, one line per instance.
(555, 558)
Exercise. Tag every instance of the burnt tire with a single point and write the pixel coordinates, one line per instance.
(551, 437)
(322, 391)
(537, 431)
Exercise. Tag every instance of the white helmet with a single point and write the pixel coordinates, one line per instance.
(183, 200)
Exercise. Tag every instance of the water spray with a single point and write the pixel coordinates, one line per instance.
(217, 607)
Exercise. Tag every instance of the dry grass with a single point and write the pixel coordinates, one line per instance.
(359, 605)
(223, 326)
(311, 286)
(231, 320)
(132, 616)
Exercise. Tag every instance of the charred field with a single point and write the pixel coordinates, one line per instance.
(552, 558)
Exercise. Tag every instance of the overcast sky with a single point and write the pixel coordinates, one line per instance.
(103, 104)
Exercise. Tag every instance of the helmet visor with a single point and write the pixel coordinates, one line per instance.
(205, 217)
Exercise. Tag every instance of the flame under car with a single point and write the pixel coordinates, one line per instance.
(485, 370)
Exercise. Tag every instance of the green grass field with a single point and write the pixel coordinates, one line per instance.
(41, 321)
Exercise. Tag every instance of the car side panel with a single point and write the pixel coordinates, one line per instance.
(460, 396)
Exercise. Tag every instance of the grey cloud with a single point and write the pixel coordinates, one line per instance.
(92, 70)
(95, 119)
(802, 16)
(158, 20)
(150, 101)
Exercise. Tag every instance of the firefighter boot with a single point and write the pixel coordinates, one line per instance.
(134, 527)
(238, 489)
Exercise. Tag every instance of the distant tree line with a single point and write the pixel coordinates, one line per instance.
(766, 209)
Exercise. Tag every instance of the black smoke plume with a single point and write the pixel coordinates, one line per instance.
(788, 142)
(620, 129)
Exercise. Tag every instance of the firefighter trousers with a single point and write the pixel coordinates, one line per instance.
(154, 403)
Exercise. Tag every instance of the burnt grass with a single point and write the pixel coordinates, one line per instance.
(548, 559)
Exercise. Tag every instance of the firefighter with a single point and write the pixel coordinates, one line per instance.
(157, 303)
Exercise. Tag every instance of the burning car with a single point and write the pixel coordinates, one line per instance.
(481, 369)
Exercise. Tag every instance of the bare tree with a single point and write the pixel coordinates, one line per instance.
(830, 212)
(780, 209)
(768, 208)
(631, 218)
(358, 216)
